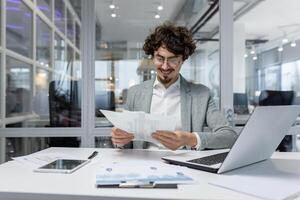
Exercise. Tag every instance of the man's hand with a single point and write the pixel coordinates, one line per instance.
(174, 140)
(120, 137)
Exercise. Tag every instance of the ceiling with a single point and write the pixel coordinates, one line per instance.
(263, 19)
(135, 18)
(271, 18)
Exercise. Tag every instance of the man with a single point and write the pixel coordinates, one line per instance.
(170, 94)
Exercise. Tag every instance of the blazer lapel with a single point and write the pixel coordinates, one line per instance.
(186, 104)
(147, 96)
(186, 101)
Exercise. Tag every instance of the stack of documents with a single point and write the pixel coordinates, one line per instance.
(141, 124)
(146, 172)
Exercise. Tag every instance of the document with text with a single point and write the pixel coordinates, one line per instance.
(141, 124)
(142, 171)
(34, 161)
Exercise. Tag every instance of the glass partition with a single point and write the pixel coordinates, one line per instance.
(69, 68)
(204, 67)
(41, 90)
(70, 26)
(40, 101)
(77, 36)
(59, 15)
(266, 55)
(19, 88)
(46, 7)
(21, 146)
(19, 28)
(43, 43)
(1, 10)
(77, 67)
(2, 115)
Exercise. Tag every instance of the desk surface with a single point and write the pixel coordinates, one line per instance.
(19, 182)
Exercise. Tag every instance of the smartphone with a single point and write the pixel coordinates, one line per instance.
(65, 166)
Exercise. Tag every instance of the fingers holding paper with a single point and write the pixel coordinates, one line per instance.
(176, 139)
(120, 137)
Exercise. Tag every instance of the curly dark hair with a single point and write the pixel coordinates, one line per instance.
(177, 39)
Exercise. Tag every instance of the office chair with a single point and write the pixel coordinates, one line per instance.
(276, 98)
(64, 110)
(104, 100)
(240, 103)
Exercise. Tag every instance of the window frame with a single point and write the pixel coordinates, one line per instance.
(35, 65)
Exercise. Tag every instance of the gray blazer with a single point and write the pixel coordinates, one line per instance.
(197, 110)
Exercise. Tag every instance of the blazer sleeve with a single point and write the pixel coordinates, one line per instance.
(129, 105)
(222, 134)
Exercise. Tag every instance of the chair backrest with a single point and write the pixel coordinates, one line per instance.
(104, 100)
(275, 98)
(64, 104)
(240, 103)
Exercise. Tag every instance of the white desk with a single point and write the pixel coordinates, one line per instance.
(18, 182)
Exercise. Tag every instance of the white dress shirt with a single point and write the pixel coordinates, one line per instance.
(166, 101)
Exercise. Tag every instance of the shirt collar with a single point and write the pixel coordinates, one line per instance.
(158, 84)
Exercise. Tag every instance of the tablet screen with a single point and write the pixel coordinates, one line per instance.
(63, 164)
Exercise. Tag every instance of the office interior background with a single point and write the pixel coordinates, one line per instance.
(63, 60)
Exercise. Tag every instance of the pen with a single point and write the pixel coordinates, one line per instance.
(94, 154)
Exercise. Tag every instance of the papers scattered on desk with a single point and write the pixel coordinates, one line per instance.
(158, 172)
(34, 161)
(141, 124)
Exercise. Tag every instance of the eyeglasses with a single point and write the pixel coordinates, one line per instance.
(172, 61)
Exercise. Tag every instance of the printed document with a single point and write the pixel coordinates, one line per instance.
(141, 124)
(143, 171)
(34, 161)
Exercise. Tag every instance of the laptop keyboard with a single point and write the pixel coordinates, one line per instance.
(210, 160)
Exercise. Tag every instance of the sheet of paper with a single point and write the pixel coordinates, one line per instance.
(143, 171)
(34, 161)
(261, 180)
(141, 124)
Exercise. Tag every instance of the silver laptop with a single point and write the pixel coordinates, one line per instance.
(257, 141)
